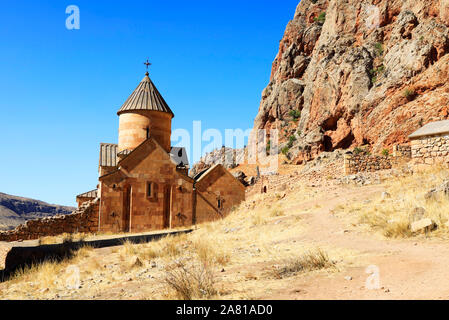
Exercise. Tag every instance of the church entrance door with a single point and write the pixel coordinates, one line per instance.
(126, 209)
(167, 205)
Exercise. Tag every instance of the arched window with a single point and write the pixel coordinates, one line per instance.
(151, 190)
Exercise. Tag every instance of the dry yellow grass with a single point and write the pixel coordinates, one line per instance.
(64, 238)
(261, 231)
(392, 215)
(45, 277)
(168, 247)
(309, 261)
(188, 282)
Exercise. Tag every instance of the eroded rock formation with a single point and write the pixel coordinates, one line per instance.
(351, 73)
(228, 157)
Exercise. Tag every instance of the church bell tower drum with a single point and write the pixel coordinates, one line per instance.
(145, 114)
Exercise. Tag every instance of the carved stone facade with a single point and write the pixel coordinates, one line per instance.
(146, 193)
(144, 183)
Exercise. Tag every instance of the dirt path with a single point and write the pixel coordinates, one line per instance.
(408, 269)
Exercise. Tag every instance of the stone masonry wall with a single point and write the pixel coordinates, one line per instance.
(369, 163)
(83, 220)
(364, 163)
(147, 213)
(217, 186)
(430, 150)
(404, 150)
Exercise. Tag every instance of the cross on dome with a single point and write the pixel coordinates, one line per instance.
(147, 64)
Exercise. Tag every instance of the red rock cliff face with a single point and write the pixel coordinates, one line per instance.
(353, 72)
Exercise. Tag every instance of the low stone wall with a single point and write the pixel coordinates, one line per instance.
(404, 151)
(83, 220)
(368, 163)
(364, 163)
(431, 150)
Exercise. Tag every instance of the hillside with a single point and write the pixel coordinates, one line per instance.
(17, 210)
(317, 237)
(344, 65)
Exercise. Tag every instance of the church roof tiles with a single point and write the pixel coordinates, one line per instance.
(108, 155)
(146, 97)
(91, 194)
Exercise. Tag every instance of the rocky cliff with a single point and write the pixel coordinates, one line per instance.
(17, 210)
(228, 157)
(353, 72)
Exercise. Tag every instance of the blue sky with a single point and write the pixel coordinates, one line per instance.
(60, 89)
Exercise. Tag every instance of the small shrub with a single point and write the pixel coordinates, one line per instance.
(268, 148)
(385, 152)
(421, 122)
(285, 150)
(292, 138)
(277, 213)
(310, 261)
(83, 252)
(194, 282)
(321, 18)
(208, 254)
(258, 220)
(379, 49)
(295, 114)
(172, 248)
(376, 72)
(360, 150)
(399, 229)
(409, 94)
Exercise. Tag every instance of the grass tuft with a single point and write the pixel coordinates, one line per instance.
(191, 282)
(309, 261)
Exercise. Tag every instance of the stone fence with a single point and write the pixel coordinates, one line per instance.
(83, 220)
(368, 163)
(404, 151)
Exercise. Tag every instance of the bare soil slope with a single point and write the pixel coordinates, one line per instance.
(255, 253)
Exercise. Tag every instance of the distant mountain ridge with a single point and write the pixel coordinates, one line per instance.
(15, 210)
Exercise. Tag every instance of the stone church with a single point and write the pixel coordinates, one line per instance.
(144, 183)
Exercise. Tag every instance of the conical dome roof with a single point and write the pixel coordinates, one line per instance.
(146, 97)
